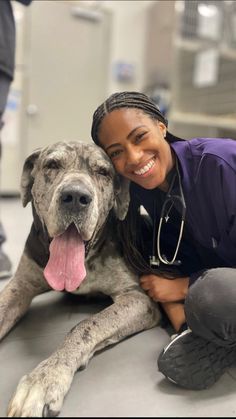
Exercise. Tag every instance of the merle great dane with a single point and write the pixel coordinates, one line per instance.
(76, 197)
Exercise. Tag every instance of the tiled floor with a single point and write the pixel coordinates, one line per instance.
(121, 381)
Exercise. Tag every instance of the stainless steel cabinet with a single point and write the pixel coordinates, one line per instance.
(191, 52)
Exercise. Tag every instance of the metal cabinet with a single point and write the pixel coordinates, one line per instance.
(191, 53)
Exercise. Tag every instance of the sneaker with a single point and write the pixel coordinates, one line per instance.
(5, 266)
(193, 362)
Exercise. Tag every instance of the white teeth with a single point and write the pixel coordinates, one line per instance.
(145, 169)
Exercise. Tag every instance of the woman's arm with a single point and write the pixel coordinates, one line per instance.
(169, 293)
(175, 313)
(165, 290)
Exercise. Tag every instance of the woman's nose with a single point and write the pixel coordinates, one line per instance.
(133, 156)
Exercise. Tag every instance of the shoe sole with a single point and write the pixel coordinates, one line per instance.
(194, 363)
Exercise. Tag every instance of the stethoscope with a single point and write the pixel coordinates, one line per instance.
(170, 201)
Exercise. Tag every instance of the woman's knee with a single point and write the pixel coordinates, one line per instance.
(210, 306)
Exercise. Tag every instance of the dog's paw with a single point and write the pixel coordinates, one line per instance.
(41, 393)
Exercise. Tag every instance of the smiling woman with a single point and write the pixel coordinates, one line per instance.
(136, 145)
(184, 248)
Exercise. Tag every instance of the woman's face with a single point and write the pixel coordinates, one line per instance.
(136, 145)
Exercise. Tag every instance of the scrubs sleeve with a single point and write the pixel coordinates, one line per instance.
(228, 185)
(195, 276)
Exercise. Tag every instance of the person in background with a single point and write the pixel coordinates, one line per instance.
(7, 65)
(184, 246)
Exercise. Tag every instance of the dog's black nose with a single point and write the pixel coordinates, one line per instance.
(76, 197)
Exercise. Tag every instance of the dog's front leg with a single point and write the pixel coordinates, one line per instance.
(16, 297)
(41, 393)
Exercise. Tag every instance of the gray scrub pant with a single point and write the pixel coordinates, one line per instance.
(210, 306)
(4, 89)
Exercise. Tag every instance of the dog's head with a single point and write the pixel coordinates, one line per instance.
(73, 186)
(73, 182)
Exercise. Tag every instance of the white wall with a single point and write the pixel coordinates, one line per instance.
(128, 41)
(128, 38)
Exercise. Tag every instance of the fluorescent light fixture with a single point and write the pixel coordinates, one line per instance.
(207, 10)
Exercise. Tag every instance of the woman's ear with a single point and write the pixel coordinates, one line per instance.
(162, 128)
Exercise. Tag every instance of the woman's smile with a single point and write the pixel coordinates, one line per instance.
(146, 169)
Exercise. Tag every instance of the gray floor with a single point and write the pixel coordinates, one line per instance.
(122, 381)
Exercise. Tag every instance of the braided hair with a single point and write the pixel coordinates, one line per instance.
(130, 231)
(125, 100)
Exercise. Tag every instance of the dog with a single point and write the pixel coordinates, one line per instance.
(76, 199)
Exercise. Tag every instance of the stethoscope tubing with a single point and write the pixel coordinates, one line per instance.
(171, 198)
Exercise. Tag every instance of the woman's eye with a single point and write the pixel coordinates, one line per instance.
(114, 154)
(140, 136)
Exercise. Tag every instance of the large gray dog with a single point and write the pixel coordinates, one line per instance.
(75, 194)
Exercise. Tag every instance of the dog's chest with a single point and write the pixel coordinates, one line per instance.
(107, 273)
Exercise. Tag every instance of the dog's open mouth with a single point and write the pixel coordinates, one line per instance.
(65, 269)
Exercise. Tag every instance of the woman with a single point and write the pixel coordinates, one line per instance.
(184, 248)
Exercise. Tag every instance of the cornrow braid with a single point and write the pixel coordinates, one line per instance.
(119, 100)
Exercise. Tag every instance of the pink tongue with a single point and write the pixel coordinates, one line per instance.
(65, 268)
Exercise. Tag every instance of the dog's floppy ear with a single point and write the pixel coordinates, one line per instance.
(27, 179)
(122, 197)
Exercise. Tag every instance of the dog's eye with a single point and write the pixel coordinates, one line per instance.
(52, 164)
(103, 171)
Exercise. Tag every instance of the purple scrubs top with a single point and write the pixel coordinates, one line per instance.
(208, 173)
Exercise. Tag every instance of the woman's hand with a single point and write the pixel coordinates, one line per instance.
(165, 290)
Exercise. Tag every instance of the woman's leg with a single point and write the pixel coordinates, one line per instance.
(210, 306)
(197, 358)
